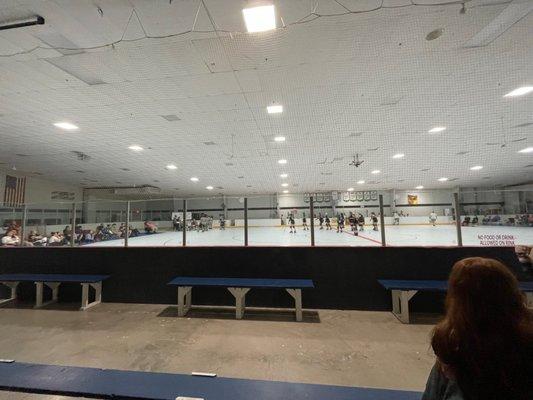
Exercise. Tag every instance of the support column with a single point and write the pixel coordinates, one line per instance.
(184, 237)
(127, 230)
(382, 221)
(240, 301)
(23, 226)
(13, 289)
(297, 295)
(456, 206)
(73, 226)
(246, 221)
(312, 217)
(184, 300)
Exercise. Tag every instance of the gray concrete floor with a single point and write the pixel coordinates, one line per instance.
(354, 348)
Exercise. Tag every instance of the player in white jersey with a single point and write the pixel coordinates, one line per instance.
(433, 218)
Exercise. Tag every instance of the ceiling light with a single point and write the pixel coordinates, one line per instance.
(351, 189)
(526, 150)
(476, 168)
(209, 187)
(283, 176)
(376, 171)
(279, 139)
(285, 191)
(194, 179)
(135, 147)
(437, 129)
(399, 155)
(360, 182)
(66, 126)
(260, 19)
(282, 161)
(171, 166)
(284, 184)
(274, 109)
(520, 91)
(419, 187)
(443, 179)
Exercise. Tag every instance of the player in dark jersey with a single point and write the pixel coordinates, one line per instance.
(304, 223)
(340, 223)
(328, 223)
(353, 223)
(291, 224)
(321, 220)
(361, 222)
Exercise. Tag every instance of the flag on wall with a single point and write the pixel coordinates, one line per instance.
(14, 191)
(412, 199)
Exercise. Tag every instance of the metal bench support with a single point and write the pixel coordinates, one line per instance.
(97, 286)
(13, 287)
(184, 300)
(39, 295)
(400, 304)
(297, 295)
(240, 300)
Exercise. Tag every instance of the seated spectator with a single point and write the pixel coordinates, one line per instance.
(122, 230)
(10, 238)
(54, 239)
(134, 231)
(67, 233)
(150, 227)
(36, 239)
(484, 345)
(475, 220)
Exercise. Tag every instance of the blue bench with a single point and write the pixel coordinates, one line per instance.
(238, 287)
(115, 384)
(404, 290)
(53, 281)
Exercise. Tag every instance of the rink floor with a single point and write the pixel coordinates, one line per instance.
(407, 235)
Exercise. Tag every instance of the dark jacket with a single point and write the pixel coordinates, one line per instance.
(438, 387)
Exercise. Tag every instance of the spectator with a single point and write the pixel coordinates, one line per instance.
(67, 233)
(36, 239)
(150, 227)
(11, 238)
(484, 345)
(54, 239)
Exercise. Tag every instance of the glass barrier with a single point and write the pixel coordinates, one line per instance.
(497, 218)
(215, 221)
(419, 218)
(345, 218)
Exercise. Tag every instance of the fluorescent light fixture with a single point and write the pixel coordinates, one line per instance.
(260, 19)
(283, 176)
(443, 179)
(351, 189)
(66, 126)
(526, 150)
(476, 168)
(284, 184)
(437, 129)
(135, 147)
(376, 171)
(399, 155)
(285, 191)
(275, 109)
(520, 91)
(209, 187)
(279, 139)
(360, 182)
(194, 179)
(171, 166)
(282, 161)
(419, 187)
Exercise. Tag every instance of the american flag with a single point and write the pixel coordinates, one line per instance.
(14, 191)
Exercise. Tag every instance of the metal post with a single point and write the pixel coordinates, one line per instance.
(312, 217)
(23, 226)
(246, 221)
(457, 219)
(184, 239)
(73, 226)
(127, 230)
(382, 220)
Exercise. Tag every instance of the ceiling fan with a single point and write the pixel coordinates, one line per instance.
(356, 162)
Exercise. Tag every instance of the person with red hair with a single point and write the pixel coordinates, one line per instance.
(484, 344)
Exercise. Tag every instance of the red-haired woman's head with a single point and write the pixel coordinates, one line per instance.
(486, 338)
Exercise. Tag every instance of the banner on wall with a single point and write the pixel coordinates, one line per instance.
(412, 199)
(14, 191)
